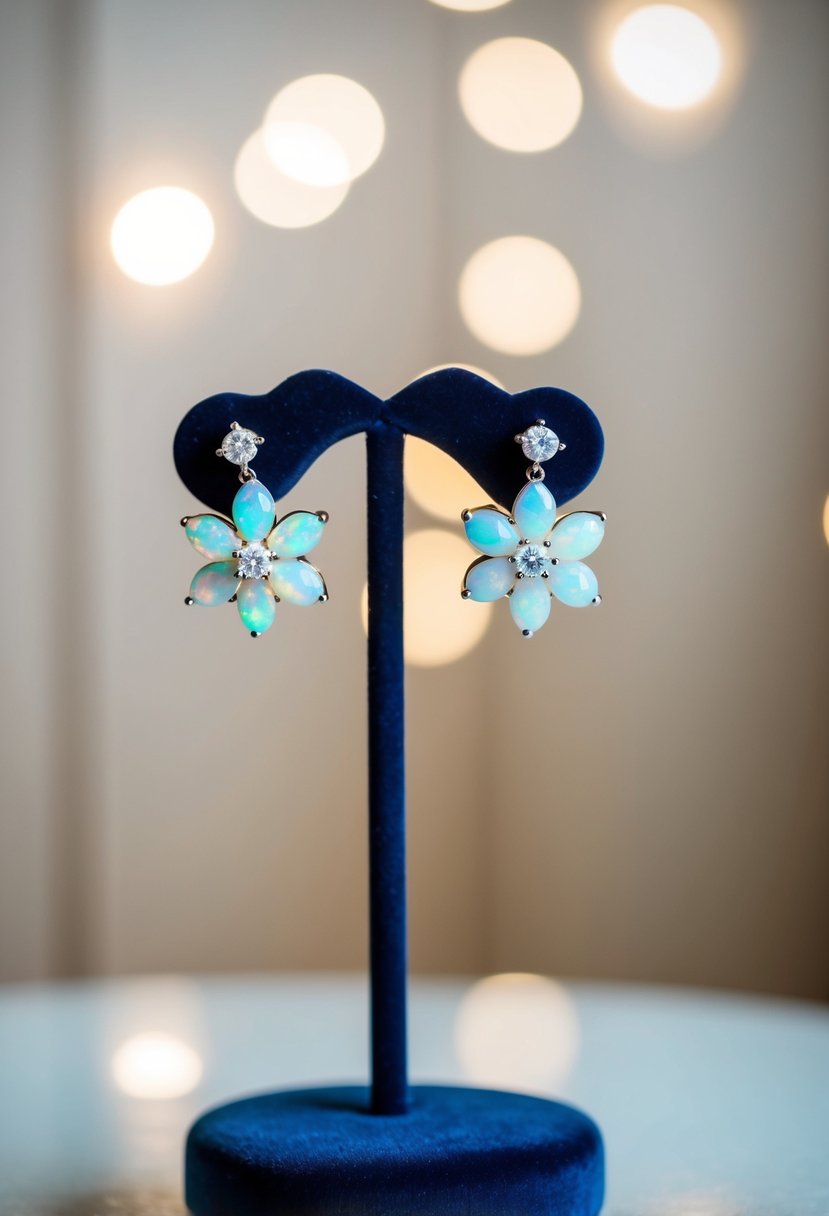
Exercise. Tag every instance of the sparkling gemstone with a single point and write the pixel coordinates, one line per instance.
(577, 535)
(529, 604)
(491, 532)
(239, 445)
(539, 443)
(296, 582)
(254, 561)
(211, 536)
(489, 578)
(214, 584)
(531, 560)
(574, 584)
(253, 510)
(256, 605)
(535, 511)
(296, 534)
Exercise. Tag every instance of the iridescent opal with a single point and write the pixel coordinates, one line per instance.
(534, 511)
(530, 603)
(491, 532)
(573, 583)
(214, 584)
(489, 578)
(577, 535)
(256, 605)
(253, 510)
(212, 537)
(296, 582)
(296, 534)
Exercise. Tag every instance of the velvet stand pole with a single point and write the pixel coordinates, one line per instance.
(387, 770)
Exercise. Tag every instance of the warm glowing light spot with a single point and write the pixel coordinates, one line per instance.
(306, 153)
(162, 235)
(155, 1065)
(344, 111)
(667, 56)
(517, 1032)
(520, 94)
(470, 6)
(467, 367)
(277, 199)
(826, 519)
(437, 483)
(519, 295)
(438, 625)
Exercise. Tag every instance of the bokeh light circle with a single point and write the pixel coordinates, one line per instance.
(520, 94)
(162, 235)
(437, 483)
(470, 6)
(306, 153)
(667, 56)
(517, 1031)
(277, 199)
(439, 627)
(156, 1066)
(519, 295)
(826, 519)
(341, 108)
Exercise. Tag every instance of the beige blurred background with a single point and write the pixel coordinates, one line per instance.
(640, 792)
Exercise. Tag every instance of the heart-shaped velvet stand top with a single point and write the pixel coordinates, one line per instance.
(466, 416)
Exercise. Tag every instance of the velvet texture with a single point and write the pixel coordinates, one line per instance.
(320, 1152)
(469, 418)
(340, 1151)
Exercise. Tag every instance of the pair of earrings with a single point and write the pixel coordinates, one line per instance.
(254, 560)
(528, 556)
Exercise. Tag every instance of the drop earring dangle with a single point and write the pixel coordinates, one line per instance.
(530, 556)
(254, 560)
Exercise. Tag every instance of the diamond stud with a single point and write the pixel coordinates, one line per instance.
(239, 445)
(538, 442)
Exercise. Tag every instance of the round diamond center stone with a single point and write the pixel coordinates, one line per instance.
(239, 446)
(255, 561)
(539, 443)
(531, 561)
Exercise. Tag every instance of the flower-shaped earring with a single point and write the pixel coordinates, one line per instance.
(530, 555)
(253, 560)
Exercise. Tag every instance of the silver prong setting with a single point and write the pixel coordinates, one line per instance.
(189, 601)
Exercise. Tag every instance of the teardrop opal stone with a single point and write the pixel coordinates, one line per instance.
(296, 534)
(211, 536)
(491, 532)
(535, 511)
(214, 584)
(573, 583)
(296, 582)
(256, 604)
(489, 579)
(530, 603)
(253, 511)
(577, 535)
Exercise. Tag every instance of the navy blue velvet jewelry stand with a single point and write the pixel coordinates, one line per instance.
(391, 1150)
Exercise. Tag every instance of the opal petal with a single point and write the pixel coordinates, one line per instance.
(211, 536)
(577, 535)
(573, 583)
(296, 582)
(256, 604)
(489, 579)
(535, 511)
(491, 532)
(530, 603)
(296, 534)
(253, 511)
(214, 584)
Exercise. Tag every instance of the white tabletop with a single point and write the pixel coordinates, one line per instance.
(710, 1105)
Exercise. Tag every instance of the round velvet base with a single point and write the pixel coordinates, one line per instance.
(321, 1152)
